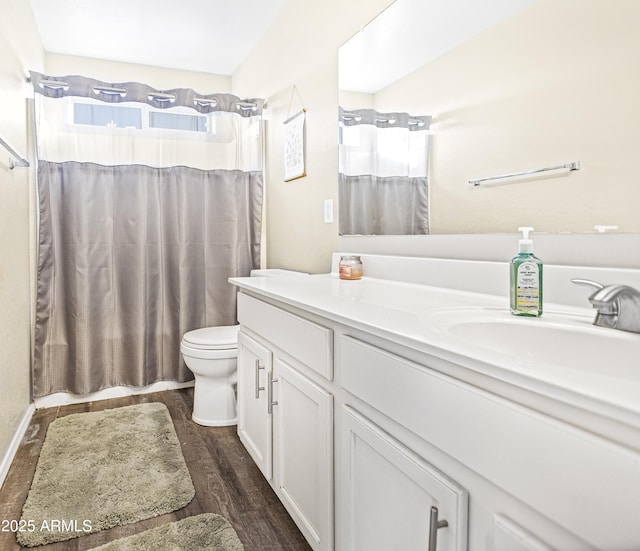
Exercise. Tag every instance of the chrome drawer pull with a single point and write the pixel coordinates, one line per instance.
(270, 402)
(434, 526)
(258, 387)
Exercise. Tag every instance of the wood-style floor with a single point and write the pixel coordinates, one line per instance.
(226, 480)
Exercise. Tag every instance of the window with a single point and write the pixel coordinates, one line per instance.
(175, 121)
(145, 118)
(112, 116)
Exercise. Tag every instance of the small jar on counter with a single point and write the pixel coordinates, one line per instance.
(350, 267)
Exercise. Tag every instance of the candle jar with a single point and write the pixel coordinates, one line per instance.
(350, 267)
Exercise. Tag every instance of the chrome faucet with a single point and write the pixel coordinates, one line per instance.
(618, 306)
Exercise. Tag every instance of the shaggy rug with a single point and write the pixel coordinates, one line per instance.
(103, 469)
(208, 531)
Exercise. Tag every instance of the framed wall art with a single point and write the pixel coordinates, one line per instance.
(294, 146)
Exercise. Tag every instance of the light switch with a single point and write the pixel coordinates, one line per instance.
(328, 211)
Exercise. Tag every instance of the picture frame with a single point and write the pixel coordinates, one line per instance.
(295, 147)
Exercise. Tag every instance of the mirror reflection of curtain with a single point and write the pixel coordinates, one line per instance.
(148, 202)
(383, 163)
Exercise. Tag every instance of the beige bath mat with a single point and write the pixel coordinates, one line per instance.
(103, 469)
(208, 531)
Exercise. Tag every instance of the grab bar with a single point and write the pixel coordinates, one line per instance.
(19, 160)
(567, 167)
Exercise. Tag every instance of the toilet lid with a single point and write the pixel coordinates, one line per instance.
(213, 338)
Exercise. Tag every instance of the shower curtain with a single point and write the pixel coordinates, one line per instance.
(148, 202)
(383, 186)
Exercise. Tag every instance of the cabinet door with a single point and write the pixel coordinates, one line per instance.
(254, 421)
(389, 494)
(303, 453)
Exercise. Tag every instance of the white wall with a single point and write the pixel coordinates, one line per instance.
(20, 50)
(300, 49)
(116, 71)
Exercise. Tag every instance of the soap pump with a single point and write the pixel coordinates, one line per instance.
(526, 279)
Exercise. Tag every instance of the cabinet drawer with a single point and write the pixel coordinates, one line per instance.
(302, 339)
(563, 472)
(508, 536)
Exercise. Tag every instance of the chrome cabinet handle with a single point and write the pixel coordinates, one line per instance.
(434, 526)
(258, 387)
(270, 402)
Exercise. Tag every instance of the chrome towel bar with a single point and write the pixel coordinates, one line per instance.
(567, 167)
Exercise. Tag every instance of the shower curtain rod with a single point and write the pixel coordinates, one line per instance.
(156, 97)
(160, 96)
(19, 160)
(55, 84)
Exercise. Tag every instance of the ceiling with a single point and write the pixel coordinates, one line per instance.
(212, 36)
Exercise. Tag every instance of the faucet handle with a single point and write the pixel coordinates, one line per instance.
(604, 307)
(588, 283)
(618, 306)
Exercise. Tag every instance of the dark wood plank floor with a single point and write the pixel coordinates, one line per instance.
(227, 481)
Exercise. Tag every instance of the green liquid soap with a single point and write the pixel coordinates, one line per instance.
(526, 279)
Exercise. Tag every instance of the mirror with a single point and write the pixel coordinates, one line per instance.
(546, 92)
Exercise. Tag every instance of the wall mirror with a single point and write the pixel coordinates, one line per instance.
(544, 91)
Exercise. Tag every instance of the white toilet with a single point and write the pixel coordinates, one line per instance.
(211, 355)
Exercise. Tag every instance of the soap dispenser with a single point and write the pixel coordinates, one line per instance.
(526, 279)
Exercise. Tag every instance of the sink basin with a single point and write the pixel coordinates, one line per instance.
(564, 342)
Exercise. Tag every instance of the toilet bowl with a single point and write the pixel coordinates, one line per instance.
(211, 355)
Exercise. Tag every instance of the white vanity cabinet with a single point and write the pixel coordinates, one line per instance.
(535, 483)
(379, 434)
(285, 411)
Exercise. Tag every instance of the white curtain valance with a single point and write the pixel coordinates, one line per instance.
(119, 92)
(383, 144)
(133, 124)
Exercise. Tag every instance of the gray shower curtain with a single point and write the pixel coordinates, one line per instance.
(375, 205)
(130, 257)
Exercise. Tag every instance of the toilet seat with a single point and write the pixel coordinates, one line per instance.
(212, 338)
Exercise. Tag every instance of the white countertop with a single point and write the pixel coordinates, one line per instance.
(416, 316)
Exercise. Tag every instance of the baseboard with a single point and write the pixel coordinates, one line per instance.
(15, 442)
(66, 398)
